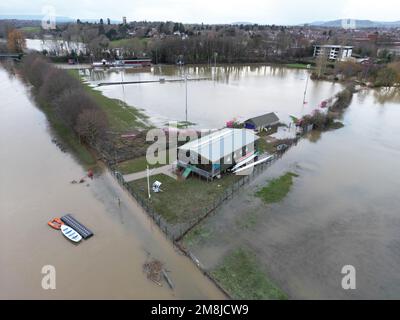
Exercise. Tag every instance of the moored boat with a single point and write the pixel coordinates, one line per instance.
(70, 233)
(56, 223)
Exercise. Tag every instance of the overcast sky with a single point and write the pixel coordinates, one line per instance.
(213, 11)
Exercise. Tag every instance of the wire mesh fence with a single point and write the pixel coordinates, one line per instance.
(177, 232)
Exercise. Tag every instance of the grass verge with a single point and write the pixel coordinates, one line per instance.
(240, 274)
(182, 201)
(277, 189)
(137, 165)
(296, 65)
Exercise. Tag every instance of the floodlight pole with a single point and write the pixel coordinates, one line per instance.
(186, 98)
(148, 182)
(305, 90)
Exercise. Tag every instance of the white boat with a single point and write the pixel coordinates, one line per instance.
(244, 161)
(70, 233)
(254, 164)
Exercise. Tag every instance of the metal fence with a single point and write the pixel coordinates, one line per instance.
(177, 232)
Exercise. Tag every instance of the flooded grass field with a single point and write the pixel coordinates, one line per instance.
(231, 92)
(341, 210)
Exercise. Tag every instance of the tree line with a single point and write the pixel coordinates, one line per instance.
(63, 94)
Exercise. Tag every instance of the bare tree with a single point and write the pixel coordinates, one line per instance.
(55, 83)
(70, 105)
(91, 124)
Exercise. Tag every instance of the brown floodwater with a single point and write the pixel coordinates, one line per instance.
(343, 209)
(231, 92)
(35, 186)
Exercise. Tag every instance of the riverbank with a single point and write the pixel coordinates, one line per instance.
(78, 114)
(121, 116)
(107, 266)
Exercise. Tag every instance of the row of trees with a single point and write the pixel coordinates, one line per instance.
(229, 49)
(63, 94)
(232, 43)
(376, 72)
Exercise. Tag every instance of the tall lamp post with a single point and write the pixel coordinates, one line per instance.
(305, 90)
(186, 97)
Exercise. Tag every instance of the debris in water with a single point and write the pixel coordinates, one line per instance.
(153, 269)
(167, 278)
(156, 272)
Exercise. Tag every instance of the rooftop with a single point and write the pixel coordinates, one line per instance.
(266, 119)
(221, 143)
(333, 46)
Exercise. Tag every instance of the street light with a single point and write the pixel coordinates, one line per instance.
(305, 90)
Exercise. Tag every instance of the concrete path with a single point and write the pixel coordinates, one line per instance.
(167, 170)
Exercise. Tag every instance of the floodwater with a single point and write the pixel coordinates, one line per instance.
(57, 46)
(343, 209)
(35, 187)
(231, 92)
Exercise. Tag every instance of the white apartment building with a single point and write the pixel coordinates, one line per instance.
(333, 52)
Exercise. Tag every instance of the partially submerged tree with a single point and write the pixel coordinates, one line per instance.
(387, 77)
(91, 124)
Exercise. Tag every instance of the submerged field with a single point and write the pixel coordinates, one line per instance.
(340, 210)
(241, 275)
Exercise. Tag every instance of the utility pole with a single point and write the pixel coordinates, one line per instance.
(148, 182)
(186, 97)
(305, 90)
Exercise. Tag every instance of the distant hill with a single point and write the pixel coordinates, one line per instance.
(59, 19)
(242, 23)
(358, 23)
(33, 17)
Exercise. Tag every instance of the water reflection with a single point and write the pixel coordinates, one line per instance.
(387, 95)
(343, 209)
(230, 91)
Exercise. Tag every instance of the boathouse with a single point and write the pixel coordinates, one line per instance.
(213, 154)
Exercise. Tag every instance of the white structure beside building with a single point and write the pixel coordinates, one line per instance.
(333, 52)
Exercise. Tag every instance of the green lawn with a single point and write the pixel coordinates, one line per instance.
(277, 189)
(184, 200)
(120, 116)
(30, 29)
(296, 65)
(264, 146)
(137, 165)
(121, 43)
(240, 275)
